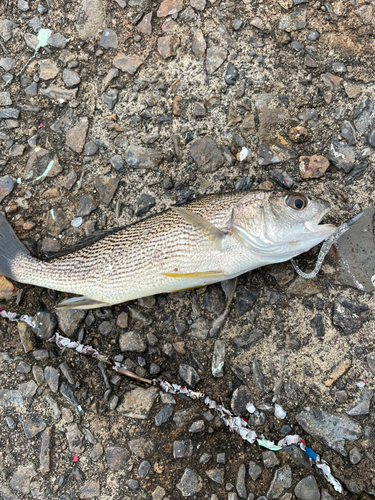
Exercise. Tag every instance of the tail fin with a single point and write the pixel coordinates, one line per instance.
(10, 248)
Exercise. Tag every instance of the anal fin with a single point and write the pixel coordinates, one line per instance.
(82, 302)
(204, 274)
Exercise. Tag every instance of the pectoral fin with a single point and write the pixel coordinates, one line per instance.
(81, 303)
(205, 274)
(196, 220)
(257, 245)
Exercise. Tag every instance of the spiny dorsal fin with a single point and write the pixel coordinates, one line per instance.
(196, 220)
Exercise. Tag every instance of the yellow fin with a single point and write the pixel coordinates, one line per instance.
(81, 303)
(196, 220)
(204, 274)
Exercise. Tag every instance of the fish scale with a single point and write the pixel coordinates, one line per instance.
(212, 239)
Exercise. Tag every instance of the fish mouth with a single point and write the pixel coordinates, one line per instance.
(314, 226)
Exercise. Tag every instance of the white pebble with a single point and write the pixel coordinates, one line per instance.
(250, 408)
(76, 222)
(243, 153)
(279, 412)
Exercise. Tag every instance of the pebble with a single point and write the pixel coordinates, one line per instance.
(231, 74)
(141, 447)
(199, 44)
(239, 400)
(163, 415)
(106, 187)
(144, 468)
(52, 377)
(240, 481)
(313, 167)
(338, 371)
(341, 396)
(218, 358)
(116, 457)
(58, 94)
(270, 459)
(139, 157)
(317, 326)
(197, 427)
(216, 475)
(6, 186)
(138, 402)
(349, 315)
(68, 393)
(145, 26)
(131, 341)
(91, 489)
(341, 155)
(255, 470)
(294, 21)
(362, 406)
(362, 114)
(330, 429)
(199, 329)
(75, 439)
(70, 78)
(206, 154)
(117, 162)
(307, 489)
(127, 63)
(348, 133)
(313, 36)
(33, 426)
(144, 204)
(189, 375)
(109, 39)
(190, 483)
(90, 18)
(76, 136)
(246, 298)
(69, 320)
(182, 449)
(85, 206)
(355, 456)
(281, 481)
(215, 56)
(21, 480)
(57, 41)
(249, 338)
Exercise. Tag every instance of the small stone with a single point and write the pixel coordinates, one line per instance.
(330, 429)
(144, 204)
(254, 470)
(76, 136)
(144, 468)
(141, 447)
(294, 21)
(258, 375)
(75, 439)
(362, 406)
(117, 457)
(28, 389)
(313, 36)
(199, 44)
(138, 402)
(338, 371)
(218, 358)
(362, 114)
(351, 90)
(23, 5)
(188, 15)
(6, 186)
(199, 110)
(9, 113)
(33, 426)
(57, 40)
(215, 56)
(281, 481)
(341, 396)
(110, 98)
(163, 415)
(190, 483)
(158, 493)
(245, 299)
(52, 377)
(170, 7)
(6, 29)
(182, 449)
(70, 320)
(47, 70)
(108, 39)
(126, 63)
(131, 341)
(249, 338)
(138, 157)
(167, 45)
(5, 99)
(355, 456)
(313, 167)
(106, 187)
(231, 74)
(91, 489)
(189, 375)
(240, 481)
(307, 489)
(59, 94)
(133, 484)
(199, 329)
(145, 25)
(7, 289)
(206, 154)
(299, 134)
(90, 18)
(216, 475)
(317, 326)
(85, 206)
(349, 315)
(270, 459)
(240, 398)
(20, 481)
(70, 77)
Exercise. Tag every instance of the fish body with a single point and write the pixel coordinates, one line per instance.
(209, 240)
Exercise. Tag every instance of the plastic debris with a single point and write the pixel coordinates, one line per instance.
(279, 412)
(326, 247)
(289, 440)
(251, 408)
(75, 459)
(270, 445)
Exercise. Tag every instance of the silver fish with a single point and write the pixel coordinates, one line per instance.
(209, 240)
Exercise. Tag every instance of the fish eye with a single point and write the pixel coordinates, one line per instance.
(296, 201)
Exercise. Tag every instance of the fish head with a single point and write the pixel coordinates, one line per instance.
(283, 222)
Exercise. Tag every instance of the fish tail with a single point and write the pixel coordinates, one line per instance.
(11, 249)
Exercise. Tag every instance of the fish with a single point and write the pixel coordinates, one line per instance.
(212, 239)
